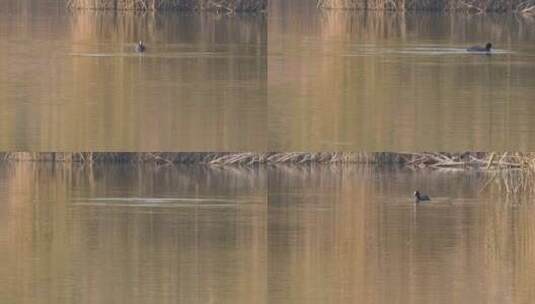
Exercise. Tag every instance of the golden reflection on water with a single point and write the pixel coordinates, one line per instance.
(327, 234)
(354, 236)
(355, 81)
(55, 251)
(70, 81)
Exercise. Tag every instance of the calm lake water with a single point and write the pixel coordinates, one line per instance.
(353, 235)
(122, 234)
(70, 81)
(339, 234)
(345, 80)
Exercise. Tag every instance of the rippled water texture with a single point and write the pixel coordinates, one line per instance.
(191, 234)
(70, 80)
(346, 80)
(120, 234)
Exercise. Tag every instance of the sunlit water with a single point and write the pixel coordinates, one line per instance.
(348, 234)
(353, 235)
(123, 234)
(350, 80)
(71, 81)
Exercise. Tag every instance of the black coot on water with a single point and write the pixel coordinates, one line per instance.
(478, 48)
(421, 196)
(140, 47)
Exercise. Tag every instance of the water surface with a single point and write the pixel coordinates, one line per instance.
(353, 235)
(192, 234)
(70, 81)
(356, 81)
(124, 234)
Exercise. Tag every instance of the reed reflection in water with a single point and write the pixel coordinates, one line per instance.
(353, 235)
(378, 81)
(71, 81)
(59, 243)
(283, 234)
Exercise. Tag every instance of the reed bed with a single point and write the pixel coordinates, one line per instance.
(513, 173)
(511, 181)
(214, 158)
(134, 157)
(467, 160)
(228, 6)
(477, 160)
(473, 6)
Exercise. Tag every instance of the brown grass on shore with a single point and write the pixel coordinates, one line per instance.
(474, 6)
(479, 160)
(512, 172)
(228, 6)
(215, 158)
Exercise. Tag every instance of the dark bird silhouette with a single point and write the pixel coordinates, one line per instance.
(140, 47)
(420, 196)
(478, 48)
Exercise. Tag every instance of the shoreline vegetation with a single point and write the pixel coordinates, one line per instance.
(465, 160)
(224, 6)
(471, 6)
(512, 172)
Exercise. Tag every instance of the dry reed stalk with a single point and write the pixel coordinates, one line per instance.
(511, 172)
(223, 158)
(479, 160)
(473, 6)
(228, 6)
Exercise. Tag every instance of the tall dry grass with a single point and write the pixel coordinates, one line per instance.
(190, 5)
(477, 6)
(478, 160)
(512, 173)
(215, 158)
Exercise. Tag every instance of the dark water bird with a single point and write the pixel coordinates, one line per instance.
(478, 48)
(420, 196)
(140, 47)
